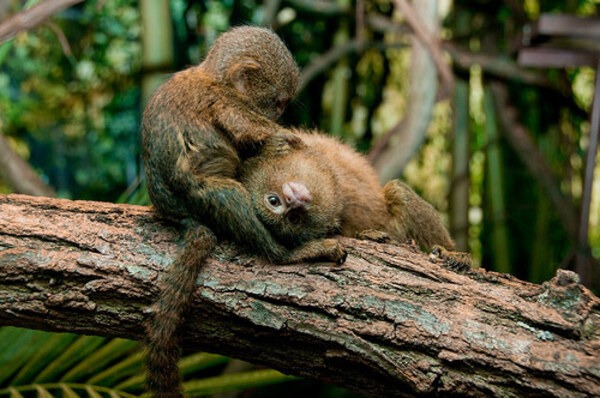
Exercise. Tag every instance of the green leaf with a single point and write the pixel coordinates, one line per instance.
(65, 390)
(92, 393)
(5, 49)
(68, 391)
(200, 361)
(98, 360)
(14, 393)
(53, 347)
(81, 348)
(42, 392)
(127, 367)
(235, 382)
(133, 383)
(18, 345)
(189, 364)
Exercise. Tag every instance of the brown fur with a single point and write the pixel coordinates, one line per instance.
(413, 218)
(162, 346)
(346, 194)
(196, 130)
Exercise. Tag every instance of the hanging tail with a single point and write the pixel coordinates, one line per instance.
(163, 349)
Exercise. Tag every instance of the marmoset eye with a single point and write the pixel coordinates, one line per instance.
(274, 200)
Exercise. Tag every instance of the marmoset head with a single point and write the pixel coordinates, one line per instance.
(256, 63)
(294, 197)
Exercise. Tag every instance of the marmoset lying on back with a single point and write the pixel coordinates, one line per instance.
(301, 194)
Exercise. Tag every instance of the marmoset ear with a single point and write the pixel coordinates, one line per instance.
(244, 74)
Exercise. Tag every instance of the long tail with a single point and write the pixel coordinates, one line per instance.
(162, 347)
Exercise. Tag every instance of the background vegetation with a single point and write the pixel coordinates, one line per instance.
(72, 92)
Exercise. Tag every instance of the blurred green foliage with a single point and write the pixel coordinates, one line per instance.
(69, 96)
(35, 363)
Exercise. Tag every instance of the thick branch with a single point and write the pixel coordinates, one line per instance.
(388, 323)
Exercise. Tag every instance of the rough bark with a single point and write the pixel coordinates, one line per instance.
(389, 322)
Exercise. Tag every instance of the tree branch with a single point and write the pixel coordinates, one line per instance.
(18, 174)
(430, 42)
(33, 17)
(395, 148)
(326, 60)
(497, 65)
(389, 322)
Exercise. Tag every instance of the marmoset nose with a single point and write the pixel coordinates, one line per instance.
(296, 195)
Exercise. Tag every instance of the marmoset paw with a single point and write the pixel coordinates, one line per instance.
(457, 261)
(291, 138)
(334, 251)
(281, 143)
